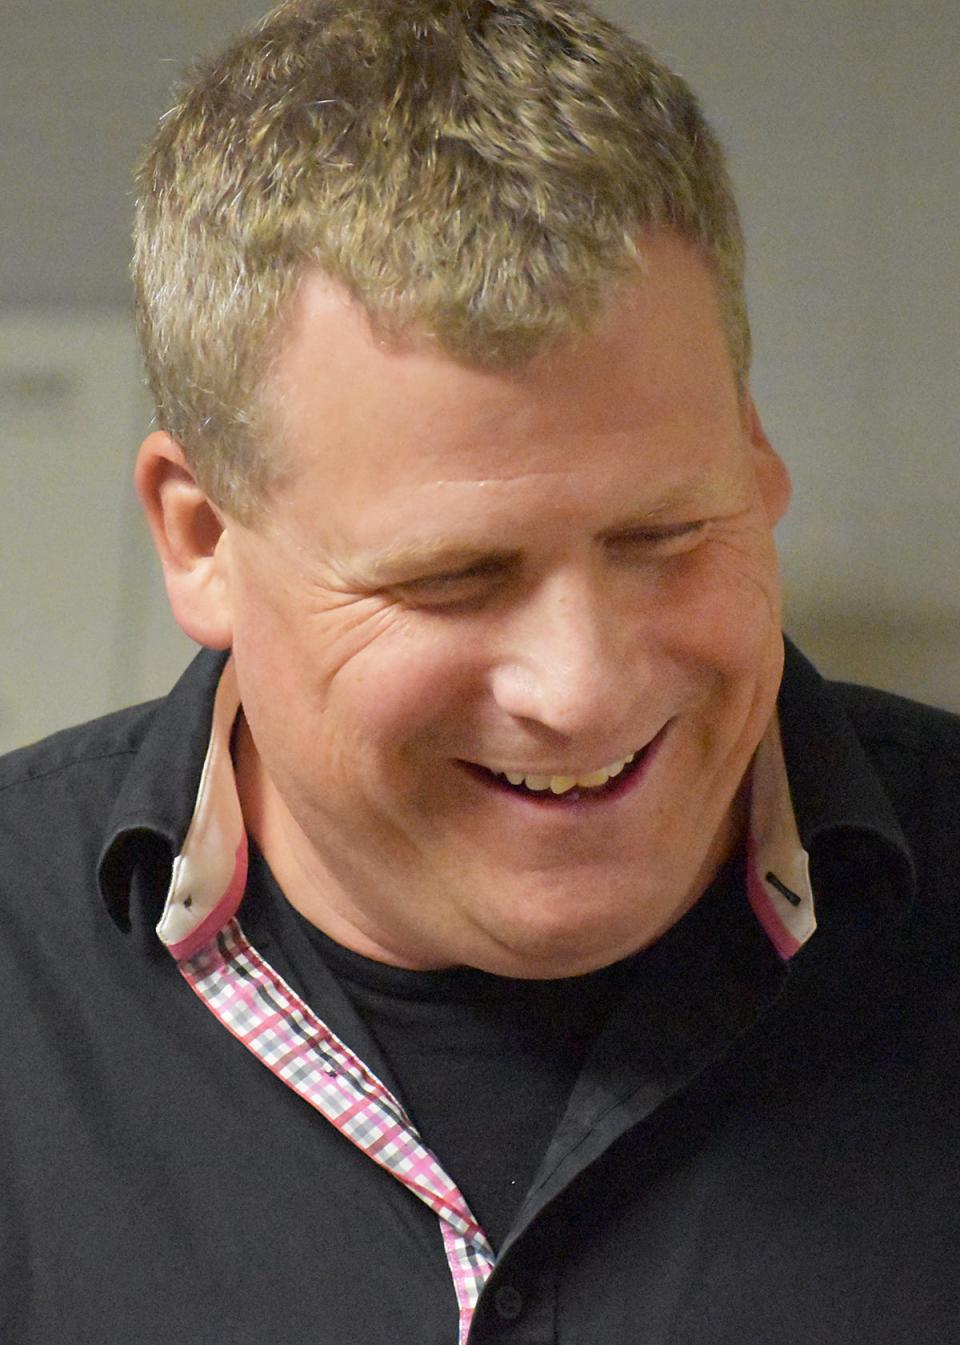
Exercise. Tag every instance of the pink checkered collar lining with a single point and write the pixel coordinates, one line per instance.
(257, 1006)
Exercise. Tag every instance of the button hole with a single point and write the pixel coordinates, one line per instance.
(784, 891)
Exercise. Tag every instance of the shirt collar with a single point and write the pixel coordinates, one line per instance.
(179, 806)
(152, 812)
(836, 791)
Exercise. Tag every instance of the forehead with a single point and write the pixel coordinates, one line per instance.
(652, 381)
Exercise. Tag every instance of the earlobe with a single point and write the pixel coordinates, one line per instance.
(773, 478)
(190, 537)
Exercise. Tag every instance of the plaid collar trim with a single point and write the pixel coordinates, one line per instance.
(199, 927)
(257, 1006)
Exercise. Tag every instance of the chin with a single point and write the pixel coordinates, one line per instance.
(551, 949)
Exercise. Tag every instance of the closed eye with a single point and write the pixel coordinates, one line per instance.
(482, 579)
(456, 587)
(667, 539)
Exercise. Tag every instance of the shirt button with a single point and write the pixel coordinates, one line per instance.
(508, 1302)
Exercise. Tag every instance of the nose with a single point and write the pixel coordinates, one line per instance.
(565, 660)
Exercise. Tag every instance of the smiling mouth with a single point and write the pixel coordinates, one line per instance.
(557, 790)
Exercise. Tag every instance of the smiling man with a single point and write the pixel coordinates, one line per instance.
(523, 627)
(505, 944)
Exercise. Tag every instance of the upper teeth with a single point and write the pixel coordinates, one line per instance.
(560, 784)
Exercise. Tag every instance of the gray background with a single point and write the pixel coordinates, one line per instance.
(842, 123)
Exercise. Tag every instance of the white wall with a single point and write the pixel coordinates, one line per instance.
(842, 120)
(85, 627)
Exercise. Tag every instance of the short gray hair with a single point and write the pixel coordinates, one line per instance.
(482, 169)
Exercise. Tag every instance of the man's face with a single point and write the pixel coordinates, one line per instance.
(473, 578)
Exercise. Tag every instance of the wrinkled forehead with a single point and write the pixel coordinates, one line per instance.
(399, 434)
(659, 335)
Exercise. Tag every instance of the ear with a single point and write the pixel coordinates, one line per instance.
(773, 479)
(190, 537)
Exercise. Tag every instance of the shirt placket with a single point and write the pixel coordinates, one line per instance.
(256, 1005)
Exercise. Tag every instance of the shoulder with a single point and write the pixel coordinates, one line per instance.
(880, 717)
(92, 755)
(73, 758)
(913, 747)
(56, 801)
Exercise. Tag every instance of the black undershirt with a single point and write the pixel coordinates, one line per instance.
(485, 1064)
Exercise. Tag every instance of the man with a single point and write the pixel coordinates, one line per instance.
(563, 969)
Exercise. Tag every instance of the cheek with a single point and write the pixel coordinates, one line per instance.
(305, 640)
(366, 684)
(722, 605)
(411, 691)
